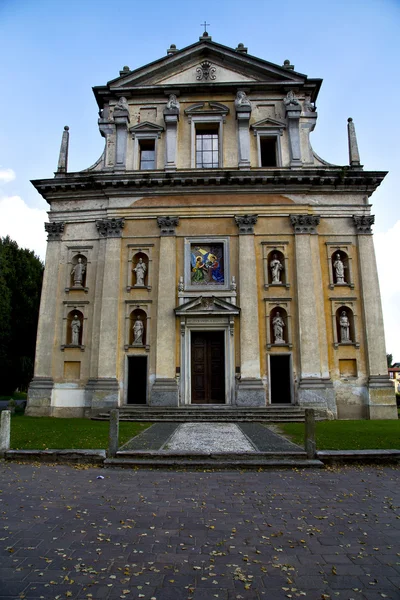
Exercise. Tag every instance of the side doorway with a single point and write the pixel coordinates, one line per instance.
(280, 377)
(137, 380)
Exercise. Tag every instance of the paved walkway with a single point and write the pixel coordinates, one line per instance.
(211, 437)
(199, 535)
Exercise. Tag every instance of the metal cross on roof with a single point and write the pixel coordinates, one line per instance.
(205, 26)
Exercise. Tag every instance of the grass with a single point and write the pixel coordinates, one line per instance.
(349, 435)
(15, 396)
(40, 433)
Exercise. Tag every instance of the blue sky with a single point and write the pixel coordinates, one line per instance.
(54, 52)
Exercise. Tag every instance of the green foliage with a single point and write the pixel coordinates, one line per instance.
(39, 433)
(349, 435)
(21, 275)
(389, 358)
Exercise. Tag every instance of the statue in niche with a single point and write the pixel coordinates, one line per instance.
(173, 102)
(122, 104)
(276, 268)
(242, 100)
(78, 271)
(344, 327)
(75, 329)
(278, 324)
(140, 272)
(339, 270)
(290, 99)
(138, 330)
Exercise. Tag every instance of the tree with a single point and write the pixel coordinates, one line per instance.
(21, 274)
(389, 358)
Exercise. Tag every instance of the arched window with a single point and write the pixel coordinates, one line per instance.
(74, 328)
(138, 328)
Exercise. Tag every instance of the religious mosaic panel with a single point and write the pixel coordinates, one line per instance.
(207, 264)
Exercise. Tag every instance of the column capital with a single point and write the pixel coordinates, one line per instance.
(305, 223)
(167, 225)
(111, 228)
(363, 223)
(246, 223)
(54, 230)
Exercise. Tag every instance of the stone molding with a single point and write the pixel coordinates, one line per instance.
(305, 223)
(167, 225)
(363, 223)
(246, 223)
(54, 230)
(111, 228)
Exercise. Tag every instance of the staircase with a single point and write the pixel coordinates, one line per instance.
(202, 413)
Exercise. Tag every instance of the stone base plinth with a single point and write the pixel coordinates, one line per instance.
(250, 392)
(382, 398)
(318, 394)
(39, 397)
(102, 394)
(164, 393)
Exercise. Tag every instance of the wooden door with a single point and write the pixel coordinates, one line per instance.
(208, 367)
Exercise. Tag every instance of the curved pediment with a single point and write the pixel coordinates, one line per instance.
(207, 108)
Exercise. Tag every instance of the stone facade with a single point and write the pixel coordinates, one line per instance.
(207, 177)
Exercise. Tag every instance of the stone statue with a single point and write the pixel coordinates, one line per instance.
(138, 330)
(242, 100)
(173, 102)
(339, 269)
(278, 324)
(78, 272)
(344, 327)
(75, 329)
(276, 268)
(308, 105)
(291, 99)
(122, 104)
(140, 271)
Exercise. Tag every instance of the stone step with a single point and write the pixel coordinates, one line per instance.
(213, 463)
(178, 455)
(205, 419)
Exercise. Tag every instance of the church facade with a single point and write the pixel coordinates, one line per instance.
(210, 256)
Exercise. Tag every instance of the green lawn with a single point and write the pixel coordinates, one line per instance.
(39, 433)
(349, 435)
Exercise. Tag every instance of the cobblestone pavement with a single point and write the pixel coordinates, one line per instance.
(199, 535)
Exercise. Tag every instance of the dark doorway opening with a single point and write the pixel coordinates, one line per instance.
(268, 151)
(280, 377)
(137, 380)
(208, 367)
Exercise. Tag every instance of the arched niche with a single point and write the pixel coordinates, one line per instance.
(345, 325)
(137, 334)
(278, 326)
(78, 271)
(340, 267)
(276, 268)
(140, 270)
(74, 328)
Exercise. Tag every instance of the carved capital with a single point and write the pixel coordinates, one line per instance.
(246, 223)
(110, 227)
(54, 230)
(363, 223)
(305, 223)
(167, 225)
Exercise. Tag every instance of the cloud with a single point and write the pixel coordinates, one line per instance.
(388, 259)
(23, 224)
(6, 175)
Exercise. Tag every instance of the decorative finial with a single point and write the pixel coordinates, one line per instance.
(241, 48)
(205, 28)
(172, 50)
(287, 65)
(354, 156)
(63, 157)
(124, 71)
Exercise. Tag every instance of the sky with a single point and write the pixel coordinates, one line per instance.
(54, 52)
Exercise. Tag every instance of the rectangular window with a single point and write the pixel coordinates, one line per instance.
(268, 151)
(207, 146)
(147, 150)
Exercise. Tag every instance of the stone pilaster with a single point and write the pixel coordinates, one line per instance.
(293, 113)
(121, 120)
(381, 398)
(41, 386)
(103, 392)
(315, 387)
(243, 114)
(250, 391)
(165, 389)
(171, 118)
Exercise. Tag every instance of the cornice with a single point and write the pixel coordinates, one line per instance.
(283, 180)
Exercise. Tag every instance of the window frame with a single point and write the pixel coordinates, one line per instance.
(207, 120)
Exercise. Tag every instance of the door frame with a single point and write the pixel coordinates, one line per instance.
(291, 382)
(206, 324)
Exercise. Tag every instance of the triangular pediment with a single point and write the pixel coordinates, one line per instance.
(185, 67)
(146, 127)
(207, 305)
(268, 124)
